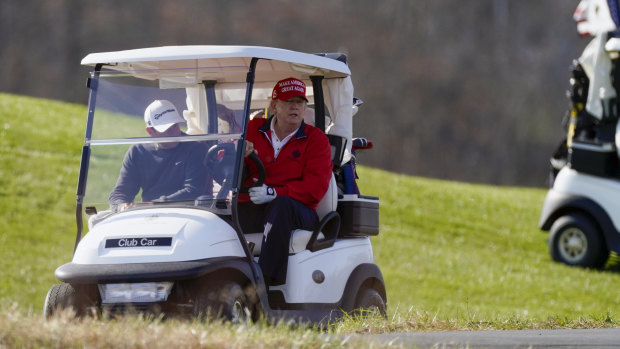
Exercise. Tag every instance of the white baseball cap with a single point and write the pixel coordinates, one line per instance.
(161, 114)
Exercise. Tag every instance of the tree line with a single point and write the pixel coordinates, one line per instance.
(471, 91)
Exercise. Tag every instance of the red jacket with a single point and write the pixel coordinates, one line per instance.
(303, 167)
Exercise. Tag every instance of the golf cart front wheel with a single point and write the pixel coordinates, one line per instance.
(369, 303)
(224, 300)
(576, 240)
(63, 297)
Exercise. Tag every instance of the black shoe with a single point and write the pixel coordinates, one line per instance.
(269, 281)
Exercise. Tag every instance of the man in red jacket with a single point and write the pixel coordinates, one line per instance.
(297, 160)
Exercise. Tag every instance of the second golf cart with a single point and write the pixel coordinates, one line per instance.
(581, 210)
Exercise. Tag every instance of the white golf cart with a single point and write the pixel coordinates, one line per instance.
(582, 209)
(191, 257)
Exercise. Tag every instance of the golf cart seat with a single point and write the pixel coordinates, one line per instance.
(329, 224)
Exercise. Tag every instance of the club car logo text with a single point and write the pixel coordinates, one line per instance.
(138, 242)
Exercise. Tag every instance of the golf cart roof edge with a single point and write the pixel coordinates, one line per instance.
(190, 52)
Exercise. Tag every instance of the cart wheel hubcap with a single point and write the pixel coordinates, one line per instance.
(573, 245)
(237, 310)
(374, 310)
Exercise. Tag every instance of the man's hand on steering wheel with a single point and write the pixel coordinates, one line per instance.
(249, 148)
(251, 154)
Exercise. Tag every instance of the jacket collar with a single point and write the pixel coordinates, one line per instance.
(301, 131)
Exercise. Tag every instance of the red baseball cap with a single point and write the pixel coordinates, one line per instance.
(289, 88)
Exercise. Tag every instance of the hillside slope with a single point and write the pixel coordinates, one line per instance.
(462, 250)
(445, 248)
(40, 144)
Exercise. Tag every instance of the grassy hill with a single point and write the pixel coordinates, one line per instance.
(40, 145)
(447, 250)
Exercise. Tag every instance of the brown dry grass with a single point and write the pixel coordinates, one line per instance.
(28, 330)
(19, 330)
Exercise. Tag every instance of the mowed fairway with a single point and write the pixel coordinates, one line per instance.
(458, 250)
(450, 251)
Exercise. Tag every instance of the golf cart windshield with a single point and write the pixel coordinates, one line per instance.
(209, 88)
(202, 154)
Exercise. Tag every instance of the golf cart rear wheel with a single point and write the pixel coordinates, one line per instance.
(576, 240)
(369, 303)
(225, 300)
(63, 297)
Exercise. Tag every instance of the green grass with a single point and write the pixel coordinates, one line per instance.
(40, 146)
(463, 250)
(474, 251)
(453, 255)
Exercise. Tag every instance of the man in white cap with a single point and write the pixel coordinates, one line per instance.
(166, 171)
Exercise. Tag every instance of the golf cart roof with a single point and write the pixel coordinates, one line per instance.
(189, 66)
(212, 56)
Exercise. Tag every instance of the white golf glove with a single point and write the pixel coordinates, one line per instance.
(262, 195)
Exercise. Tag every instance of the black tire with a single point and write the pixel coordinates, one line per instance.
(576, 240)
(64, 296)
(225, 300)
(369, 303)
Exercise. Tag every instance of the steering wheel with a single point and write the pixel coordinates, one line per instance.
(220, 164)
(261, 173)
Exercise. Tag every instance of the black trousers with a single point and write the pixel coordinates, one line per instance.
(276, 220)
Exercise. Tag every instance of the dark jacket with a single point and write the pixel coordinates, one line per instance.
(162, 174)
